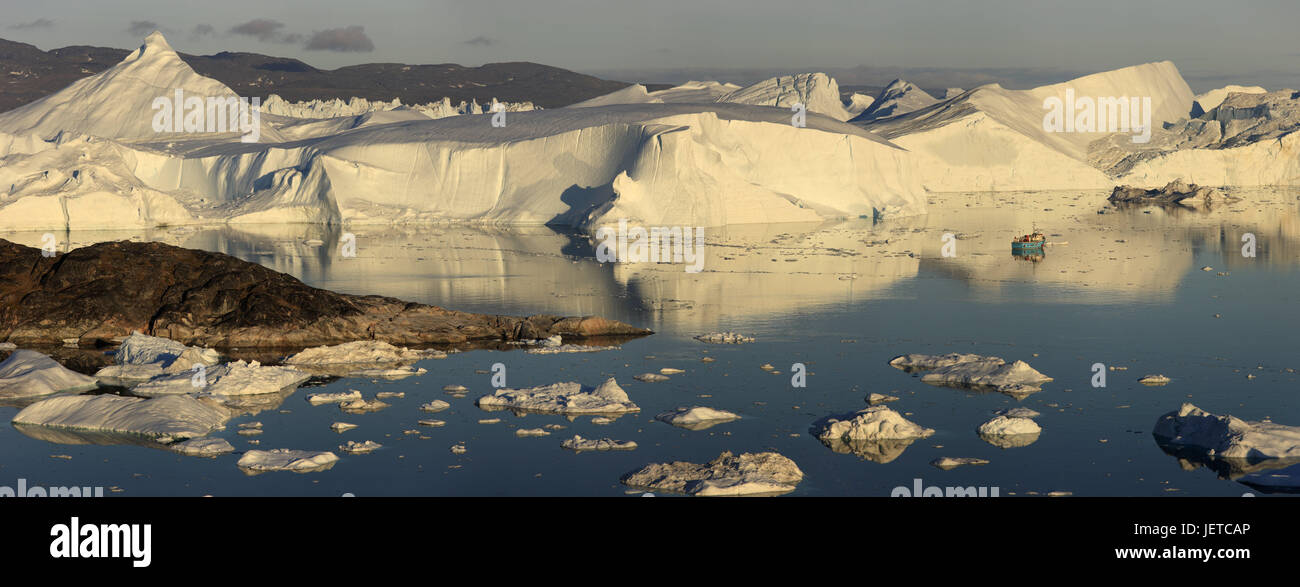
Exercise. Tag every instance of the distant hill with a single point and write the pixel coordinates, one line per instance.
(28, 73)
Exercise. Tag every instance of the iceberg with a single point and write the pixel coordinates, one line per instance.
(979, 372)
(226, 380)
(282, 459)
(673, 163)
(26, 374)
(164, 419)
(1227, 437)
(993, 139)
(562, 398)
(1009, 432)
(696, 418)
(203, 447)
(580, 444)
(877, 433)
(766, 473)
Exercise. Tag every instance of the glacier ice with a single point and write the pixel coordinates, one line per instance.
(31, 374)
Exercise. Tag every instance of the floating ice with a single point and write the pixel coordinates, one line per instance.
(1017, 379)
(696, 418)
(580, 444)
(766, 473)
(563, 398)
(1008, 432)
(283, 459)
(165, 419)
(203, 447)
(31, 374)
(1227, 437)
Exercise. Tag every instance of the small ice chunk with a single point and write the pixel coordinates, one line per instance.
(949, 463)
(1154, 380)
(317, 399)
(696, 418)
(651, 377)
(766, 473)
(580, 444)
(435, 406)
(1007, 432)
(724, 338)
(203, 447)
(283, 459)
(1017, 413)
(341, 427)
(361, 406)
(563, 398)
(526, 432)
(359, 448)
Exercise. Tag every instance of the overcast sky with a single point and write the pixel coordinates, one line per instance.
(1209, 40)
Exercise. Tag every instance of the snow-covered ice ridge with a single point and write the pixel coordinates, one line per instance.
(690, 164)
(337, 108)
(700, 154)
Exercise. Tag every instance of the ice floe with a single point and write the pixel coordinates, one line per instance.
(766, 473)
(435, 406)
(563, 398)
(283, 459)
(1016, 379)
(26, 374)
(696, 418)
(164, 419)
(362, 358)
(1009, 432)
(203, 447)
(334, 397)
(1227, 437)
(724, 338)
(353, 447)
(580, 444)
(225, 380)
(949, 463)
(877, 433)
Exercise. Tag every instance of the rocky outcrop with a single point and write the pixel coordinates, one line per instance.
(101, 293)
(1176, 192)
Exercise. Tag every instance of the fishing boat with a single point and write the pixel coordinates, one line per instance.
(1032, 241)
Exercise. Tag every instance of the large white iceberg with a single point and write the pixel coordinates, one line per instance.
(676, 164)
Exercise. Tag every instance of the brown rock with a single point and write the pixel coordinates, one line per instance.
(101, 293)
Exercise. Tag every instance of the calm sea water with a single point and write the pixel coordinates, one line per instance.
(1124, 288)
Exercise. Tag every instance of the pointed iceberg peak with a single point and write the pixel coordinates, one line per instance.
(154, 44)
(898, 98)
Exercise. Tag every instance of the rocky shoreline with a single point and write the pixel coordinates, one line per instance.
(99, 294)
